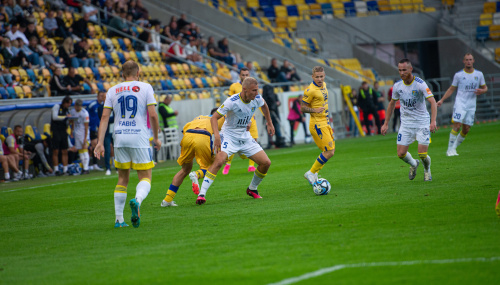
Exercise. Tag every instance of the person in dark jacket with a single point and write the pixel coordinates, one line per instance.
(273, 102)
(366, 102)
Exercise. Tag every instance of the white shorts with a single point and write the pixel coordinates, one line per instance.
(78, 142)
(135, 158)
(463, 116)
(247, 146)
(407, 136)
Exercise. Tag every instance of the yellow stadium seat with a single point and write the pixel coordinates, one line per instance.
(298, 2)
(24, 77)
(253, 4)
(19, 92)
(303, 10)
(292, 22)
(383, 5)
(495, 32)
(89, 73)
(282, 22)
(106, 85)
(28, 130)
(102, 58)
(198, 82)
(15, 73)
(486, 19)
(338, 9)
(186, 68)
(27, 91)
(406, 5)
(418, 5)
(209, 81)
(395, 5)
(280, 11)
(489, 7)
(216, 81)
(315, 10)
(188, 84)
(278, 41)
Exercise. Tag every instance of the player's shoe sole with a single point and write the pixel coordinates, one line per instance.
(253, 193)
(196, 188)
(413, 171)
(201, 200)
(226, 169)
(497, 207)
(120, 225)
(136, 213)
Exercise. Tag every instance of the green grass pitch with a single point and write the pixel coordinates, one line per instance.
(60, 230)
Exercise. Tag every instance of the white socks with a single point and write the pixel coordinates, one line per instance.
(257, 178)
(85, 158)
(120, 199)
(142, 190)
(409, 159)
(453, 138)
(207, 182)
(459, 140)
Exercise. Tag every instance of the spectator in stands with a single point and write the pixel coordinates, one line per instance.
(27, 7)
(194, 31)
(67, 53)
(82, 58)
(295, 115)
(167, 115)
(176, 51)
(57, 4)
(57, 87)
(33, 48)
(58, 127)
(4, 18)
(224, 74)
(32, 56)
(107, 12)
(14, 146)
(174, 30)
(80, 27)
(144, 38)
(289, 71)
(182, 21)
(273, 103)
(74, 81)
(90, 10)
(215, 52)
(274, 73)
(14, 11)
(5, 77)
(50, 24)
(74, 5)
(203, 47)
(14, 34)
(155, 38)
(118, 23)
(31, 31)
(192, 52)
(366, 102)
(142, 10)
(253, 72)
(12, 59)
(229, 58)
(166, 33)
(380, 102)
(62, 30)
(46, 49)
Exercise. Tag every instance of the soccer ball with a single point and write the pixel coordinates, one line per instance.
(322, 187)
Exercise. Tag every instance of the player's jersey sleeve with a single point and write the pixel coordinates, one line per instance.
(308, 96)
(86, 118)
(150, 96)
(395, 94)
(226, 106)
(109, 101)
(260, 101)
(425, 90)
(10, 141)
(455, 80)
(481, 80)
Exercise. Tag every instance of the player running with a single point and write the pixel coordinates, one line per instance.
(470, 83)
(130, 101)
(196, 143)
(79, 121)
(234, 137)
(315, 102)
(236, 88)
(412, 91)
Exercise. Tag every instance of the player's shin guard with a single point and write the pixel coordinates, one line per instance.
(172, 190)
(453, 138)
(257, 178)
(409, 159)
(201, 173)
(426, 160)
(207, 181)
(142, 190)
(120, 198)
(319, 163)
(460, 139)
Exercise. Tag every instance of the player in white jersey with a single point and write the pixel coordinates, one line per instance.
(235, 138)
(130, 101)
(80, 131)
(412, 92)
(470, 83)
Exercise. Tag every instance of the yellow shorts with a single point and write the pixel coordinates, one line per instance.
(196, 143)
(323, 137)
(253, 129)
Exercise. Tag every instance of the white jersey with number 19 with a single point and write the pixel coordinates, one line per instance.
(129, 101)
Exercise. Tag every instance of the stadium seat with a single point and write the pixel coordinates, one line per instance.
(495, 32)
(269, 12)
(326, 8)
(315, 11)
(362, 7)
(496, 18)
(253, 4)
(280, 11)
(338, 9)
(482, 33)
(12, 93)
(100, 86)
(350, 9)
(104, 45)
(372, 6)
(418, 5)
(31, 75)
(489, 7)
(204, 81)
(3, 93)
(486, 19)
(395, 5)
(27, 91)
(383, 6)
(139, 57)
(292, 10)
(15, 74)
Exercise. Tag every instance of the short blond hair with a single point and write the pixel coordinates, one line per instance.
(130, 68)
(318, 69)
(249, 81)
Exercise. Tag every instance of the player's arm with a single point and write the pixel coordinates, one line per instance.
(155, 125)
(84, 144)
(433, 126)
(306, 108)
(388, 115)
(446, 95)
(269, 122)
(481, 90)
(103, 127)
(215, 127)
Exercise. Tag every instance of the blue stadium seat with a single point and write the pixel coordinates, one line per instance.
(205, 83)
(312, 46)
(482, 33)
(215, 3)
(122, 44)
(109, 58)
(372, 6)
(326, 8)
(170, 84)
(100, 86)
(4, 132)
(275, 2)
(3, 93)
(193, 83)
(292, 10)
(38, 136)
(498, 6)
(164, 85)
(264, 3)
(86, 87)
(12, 93)
(104, 46)
(96, 73)
(310, 1)
(139, 57)
(350, 9)
(253, 12)
(269, 12)
(121, 57)
(287, 43)
(31, 75)
(169, 70)
(248, 20)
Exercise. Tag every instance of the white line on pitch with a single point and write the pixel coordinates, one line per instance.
(373, 264)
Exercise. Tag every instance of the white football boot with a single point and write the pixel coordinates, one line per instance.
(311, 177)
(168, 204)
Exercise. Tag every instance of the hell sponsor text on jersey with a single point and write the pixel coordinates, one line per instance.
(122, 88)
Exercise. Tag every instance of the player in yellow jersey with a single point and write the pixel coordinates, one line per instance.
(196, 143)
(236, 88)
(315, 102)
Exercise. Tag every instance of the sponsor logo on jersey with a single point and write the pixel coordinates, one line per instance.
(118, 132)
(414, 92)
(122, 88)
(475, 77)
(428, 91)
(253, 109)
(136, 88)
